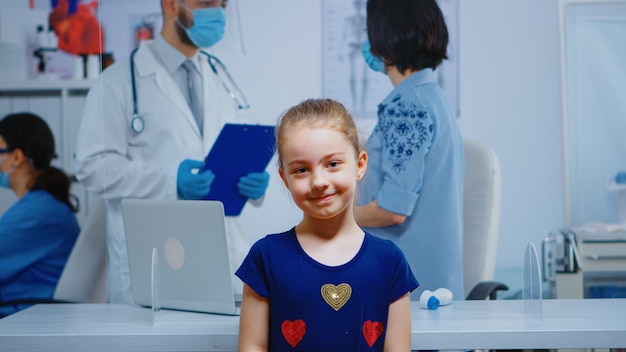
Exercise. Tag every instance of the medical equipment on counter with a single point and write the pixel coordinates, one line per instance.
(93, 66)
(47, 45)
(559, 255)
(580, 261)
(617, 183)
(78, 67)
(137, 124)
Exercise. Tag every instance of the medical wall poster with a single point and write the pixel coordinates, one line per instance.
(143, 26)
(123, 1)
(345, 75)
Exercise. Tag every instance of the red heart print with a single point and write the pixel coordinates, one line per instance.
(372, 331)
(294, 331)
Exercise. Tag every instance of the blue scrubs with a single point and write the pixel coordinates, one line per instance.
(37, 235)
(416, 168)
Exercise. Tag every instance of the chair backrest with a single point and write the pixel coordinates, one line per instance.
(481, 213)
(83, 279)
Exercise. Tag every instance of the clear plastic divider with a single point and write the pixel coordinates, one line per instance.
(532, 290)
(156, 304)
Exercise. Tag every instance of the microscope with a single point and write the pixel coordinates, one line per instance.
(47, 45)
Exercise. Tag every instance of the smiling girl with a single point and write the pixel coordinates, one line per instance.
(324, 285)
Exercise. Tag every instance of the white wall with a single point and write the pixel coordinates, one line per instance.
(281, 67)
(509, 98)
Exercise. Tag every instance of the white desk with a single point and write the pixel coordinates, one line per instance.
(462, 325)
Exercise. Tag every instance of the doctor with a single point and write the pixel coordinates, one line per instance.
(145, 134)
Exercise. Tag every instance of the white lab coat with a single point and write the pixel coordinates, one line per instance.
(115, 162)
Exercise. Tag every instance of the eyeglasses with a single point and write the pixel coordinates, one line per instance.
(227, 81)
(6, 150)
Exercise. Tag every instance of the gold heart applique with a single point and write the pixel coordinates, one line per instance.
(336, 296)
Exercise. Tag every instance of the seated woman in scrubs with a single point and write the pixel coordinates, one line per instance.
(38, 232)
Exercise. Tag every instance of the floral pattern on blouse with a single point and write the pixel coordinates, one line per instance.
(405, 128)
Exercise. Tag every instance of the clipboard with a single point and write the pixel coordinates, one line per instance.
(238, 150)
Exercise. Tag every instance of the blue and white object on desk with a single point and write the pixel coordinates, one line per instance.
(620, 178)
(618, 181)
(433, 299)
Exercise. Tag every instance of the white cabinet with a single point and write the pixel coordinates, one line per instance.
(60, 103)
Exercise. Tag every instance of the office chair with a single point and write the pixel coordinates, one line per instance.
(481, 217)
(83, 279)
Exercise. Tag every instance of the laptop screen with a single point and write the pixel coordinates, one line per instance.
(193, 263)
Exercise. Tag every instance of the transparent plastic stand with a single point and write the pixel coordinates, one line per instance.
(532, 290)
(156, 304)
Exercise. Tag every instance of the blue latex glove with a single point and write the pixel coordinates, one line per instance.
(254, 184)
(193, 185)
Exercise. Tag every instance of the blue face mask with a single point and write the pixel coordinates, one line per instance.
(374, 62)
(4, 180)
(208, 26)
(4, 177)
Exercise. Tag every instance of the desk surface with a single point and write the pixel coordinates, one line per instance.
(500, 324)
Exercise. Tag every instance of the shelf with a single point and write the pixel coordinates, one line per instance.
(60, 103)
(39, 85)
(42, 95)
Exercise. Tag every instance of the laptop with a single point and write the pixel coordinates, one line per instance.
(193, 263)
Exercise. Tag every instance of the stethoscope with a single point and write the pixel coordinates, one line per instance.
(137, 123)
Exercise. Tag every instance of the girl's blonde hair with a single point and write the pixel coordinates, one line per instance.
(317, 113)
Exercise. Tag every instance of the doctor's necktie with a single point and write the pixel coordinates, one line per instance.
(195, 93)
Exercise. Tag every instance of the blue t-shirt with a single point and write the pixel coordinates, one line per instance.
(314, 307)
(37, 235)
(416, 168)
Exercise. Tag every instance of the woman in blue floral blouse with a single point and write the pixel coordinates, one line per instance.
(413, 191)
